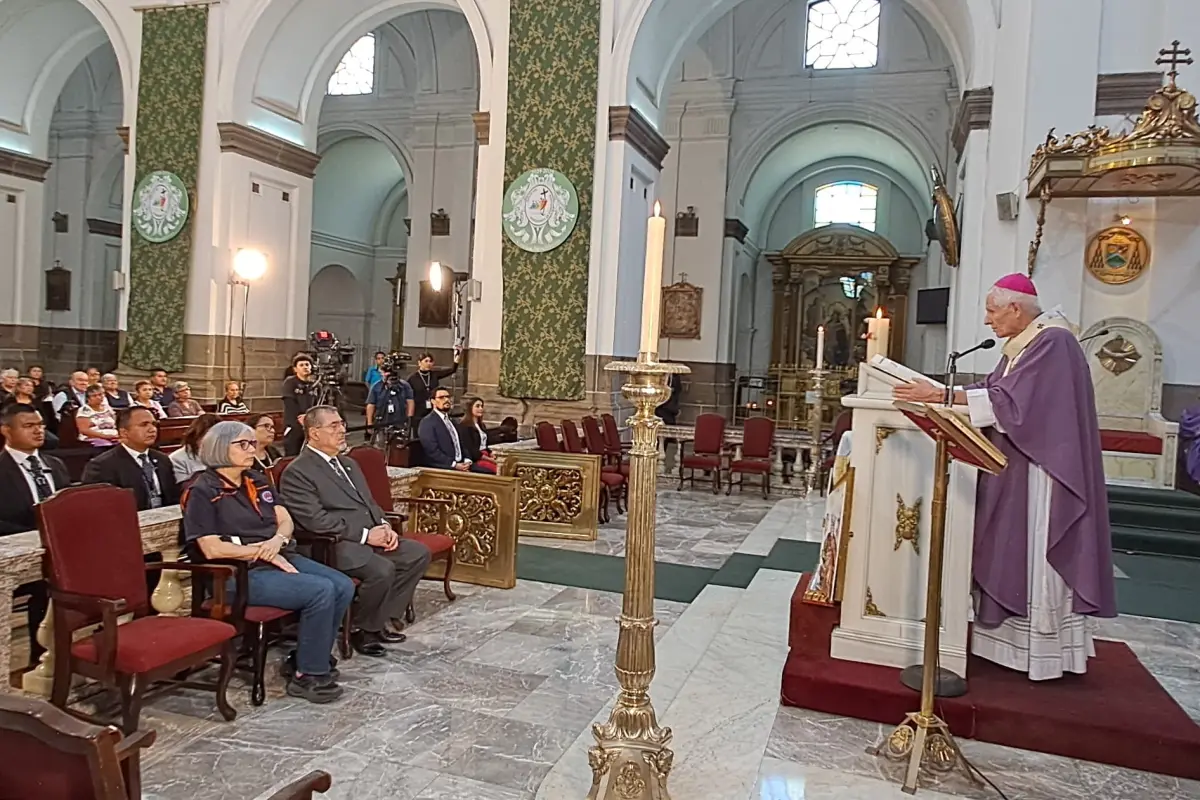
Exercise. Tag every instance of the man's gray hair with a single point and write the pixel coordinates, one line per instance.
(1026, 302)
(214, 447)
(315, 417)
(181, 385)
(108, 375)
(10, 373)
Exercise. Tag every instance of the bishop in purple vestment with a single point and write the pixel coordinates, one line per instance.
(1042, 562)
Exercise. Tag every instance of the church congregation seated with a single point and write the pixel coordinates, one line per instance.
(265, 453)
(8, 383)
(113, 393)
(186, 460)
(95, 420)
(72, 396)
(163, 394)
(143, 397)
(473, 435)
(440, 439)
(233, 402)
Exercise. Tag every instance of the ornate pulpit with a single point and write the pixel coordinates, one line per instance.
(883, 597)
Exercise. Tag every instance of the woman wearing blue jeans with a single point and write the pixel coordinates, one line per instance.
(230, 513)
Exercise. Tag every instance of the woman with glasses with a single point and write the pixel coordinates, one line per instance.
(230, 512)
(265, 453)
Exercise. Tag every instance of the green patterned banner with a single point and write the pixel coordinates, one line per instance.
(167, 149)
(553, 75)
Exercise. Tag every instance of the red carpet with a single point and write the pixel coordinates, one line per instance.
(1115, 714)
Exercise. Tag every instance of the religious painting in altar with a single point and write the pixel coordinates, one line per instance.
(841, 305)
(681, 306)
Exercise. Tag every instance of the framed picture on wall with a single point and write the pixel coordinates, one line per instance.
(434, 310)
(681, 305)
(58, 288)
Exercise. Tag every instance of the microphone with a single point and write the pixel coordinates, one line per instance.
(1095, 335)
(986, 344)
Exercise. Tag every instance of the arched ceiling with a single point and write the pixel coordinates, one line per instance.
(830, 142)
(354, 178)
(291, 47)
(42, 42)
(653, 37)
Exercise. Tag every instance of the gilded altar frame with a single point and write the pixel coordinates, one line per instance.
(682, 304)
(482, 520)
(560, 493)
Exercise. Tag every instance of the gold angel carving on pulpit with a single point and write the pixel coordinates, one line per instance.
(908, 522)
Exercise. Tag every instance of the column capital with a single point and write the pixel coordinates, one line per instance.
(627, 124)
(974, 113)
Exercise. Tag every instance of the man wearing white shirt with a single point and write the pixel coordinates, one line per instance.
(326, 493)
(73, 395)
(27, 477)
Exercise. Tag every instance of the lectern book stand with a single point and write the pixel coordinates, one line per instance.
(923, 735)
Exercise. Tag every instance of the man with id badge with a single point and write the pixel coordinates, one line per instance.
(390, 404)
(424, 383)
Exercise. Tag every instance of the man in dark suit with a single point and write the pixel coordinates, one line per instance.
(439, 437)
(133, 464)
(326, 493)
(27, 477)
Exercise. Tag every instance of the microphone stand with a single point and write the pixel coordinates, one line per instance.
(952, 367)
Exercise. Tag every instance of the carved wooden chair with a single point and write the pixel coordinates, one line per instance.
(571, 440)
(708, 451)
(96, 575)
(612, 481)
(258, 626)
(52, 755)
(758, 448)
(547, 438)
(616, 449)
(441, 545)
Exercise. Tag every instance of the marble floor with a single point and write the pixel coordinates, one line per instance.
(492, 697)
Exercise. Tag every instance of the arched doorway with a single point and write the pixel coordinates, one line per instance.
(336, 303)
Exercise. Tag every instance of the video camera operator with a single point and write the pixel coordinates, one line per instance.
(390, 404)
(299, 395)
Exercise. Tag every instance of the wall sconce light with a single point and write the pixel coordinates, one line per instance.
(436, 274)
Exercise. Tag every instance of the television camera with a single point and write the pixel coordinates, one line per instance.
(331, 366)
(386, 435)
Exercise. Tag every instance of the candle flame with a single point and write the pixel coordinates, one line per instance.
(879, 313)
(820, 329)
(657, 208)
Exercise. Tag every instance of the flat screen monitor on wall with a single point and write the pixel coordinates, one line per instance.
(933, 306)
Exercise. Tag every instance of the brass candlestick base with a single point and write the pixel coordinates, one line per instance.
(816, 400)
(924, 737)
(631, 759)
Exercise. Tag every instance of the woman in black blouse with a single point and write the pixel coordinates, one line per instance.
(265, 452)
(472, 434)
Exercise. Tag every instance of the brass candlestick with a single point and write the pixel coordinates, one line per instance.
(816, 402)
(631, 759)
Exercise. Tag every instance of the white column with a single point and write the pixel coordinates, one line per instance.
(21, 237)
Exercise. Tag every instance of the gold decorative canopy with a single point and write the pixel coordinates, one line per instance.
(1160, 157)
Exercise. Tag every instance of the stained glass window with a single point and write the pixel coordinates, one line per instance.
(846, 202)
(842, 34)
(355, 73)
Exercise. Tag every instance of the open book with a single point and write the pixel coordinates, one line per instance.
(901, 373)
(966, 442)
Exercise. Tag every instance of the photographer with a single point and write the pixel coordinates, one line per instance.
(299, 395)
(390, 403)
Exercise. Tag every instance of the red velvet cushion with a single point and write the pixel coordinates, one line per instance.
(31, 769)
(611, 478)
(750, 465)
(257, 614)
(1131, 442)
(150, 642)
(619, 469)
(701, 462)
(436, 542)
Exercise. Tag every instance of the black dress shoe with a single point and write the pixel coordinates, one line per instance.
(391, 637)
(367, 644)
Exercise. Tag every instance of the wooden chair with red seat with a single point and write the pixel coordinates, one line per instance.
(96, 575)
(617, 449)
(547, 438)
(52, 755)
(708, 451)
(758, 448)
(323, 548)
(571, 440)
(441, 545)
(258, 626)
(611, 478)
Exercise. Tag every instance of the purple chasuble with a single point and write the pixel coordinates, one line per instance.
(1047, 409)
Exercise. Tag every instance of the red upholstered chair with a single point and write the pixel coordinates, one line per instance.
(441, 544)
(615, 448)
(572, 441)
(708, 451)
(547, 438)
(258, 626)
(96, 574)
(758, 437)
(612, 482)
(51, 755)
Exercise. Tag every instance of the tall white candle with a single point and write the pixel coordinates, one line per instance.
(821, 347)
(879, 330)
(656, 237)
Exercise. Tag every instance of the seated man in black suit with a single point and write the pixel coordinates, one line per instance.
(326, 493)
(27, 477)
(132, 464)
(439, 438)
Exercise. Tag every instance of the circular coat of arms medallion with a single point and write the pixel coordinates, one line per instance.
(540, 210)
(160, 206)
(1117, 255)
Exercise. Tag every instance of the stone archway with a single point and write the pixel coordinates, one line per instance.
(336, 303)
(815, 262)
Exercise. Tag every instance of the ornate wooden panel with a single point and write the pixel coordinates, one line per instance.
(560, 493)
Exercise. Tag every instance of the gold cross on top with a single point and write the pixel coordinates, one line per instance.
(1174, 56)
